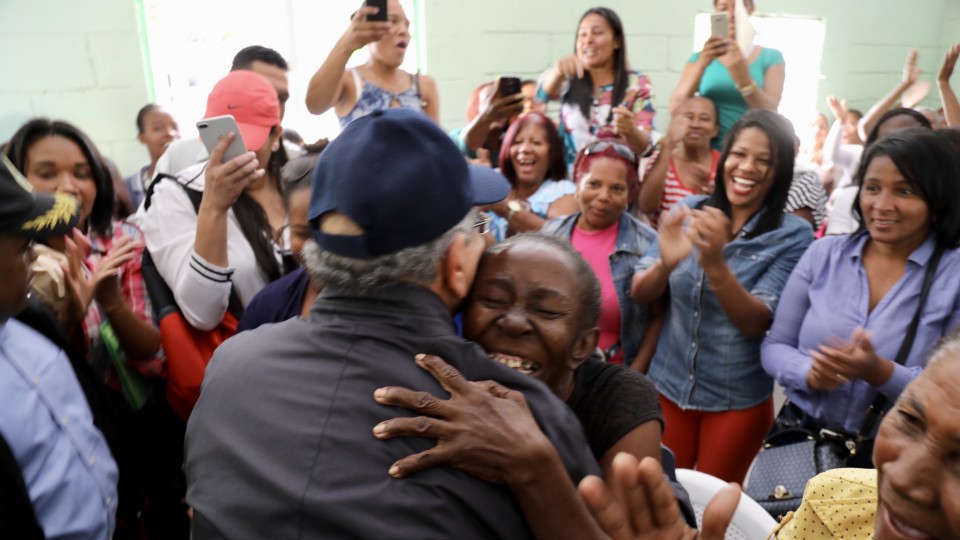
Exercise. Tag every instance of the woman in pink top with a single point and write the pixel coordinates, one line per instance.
(613, 242)
(685, 164)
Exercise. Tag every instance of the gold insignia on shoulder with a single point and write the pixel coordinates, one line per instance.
(63, 210)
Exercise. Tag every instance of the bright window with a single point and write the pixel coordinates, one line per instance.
(187, 55)
(801, 42)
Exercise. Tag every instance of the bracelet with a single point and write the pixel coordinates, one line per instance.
(747, 89)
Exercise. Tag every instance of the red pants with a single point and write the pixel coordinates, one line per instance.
(721, 444)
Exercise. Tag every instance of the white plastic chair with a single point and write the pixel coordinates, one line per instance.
(750, 521)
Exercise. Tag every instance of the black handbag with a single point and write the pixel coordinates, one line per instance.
(799, 447)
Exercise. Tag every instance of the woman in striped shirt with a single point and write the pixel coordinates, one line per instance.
(685, 164)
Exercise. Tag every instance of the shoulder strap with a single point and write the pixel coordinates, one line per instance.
(876, 408)
(155, 285)
(357, 82)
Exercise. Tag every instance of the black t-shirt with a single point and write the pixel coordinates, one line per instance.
(611, 400)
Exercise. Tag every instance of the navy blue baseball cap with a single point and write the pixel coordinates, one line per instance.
(401, 179)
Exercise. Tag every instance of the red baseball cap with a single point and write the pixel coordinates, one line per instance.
(251, 100)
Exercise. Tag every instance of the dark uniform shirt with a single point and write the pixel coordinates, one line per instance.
(280, 444)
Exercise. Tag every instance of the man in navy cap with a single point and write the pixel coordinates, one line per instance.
(56, 472)
(280, 444)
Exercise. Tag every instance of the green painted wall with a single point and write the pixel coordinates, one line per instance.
(865, 43)
(82, 61)
(78, 61)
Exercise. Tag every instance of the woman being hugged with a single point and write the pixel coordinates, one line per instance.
(613, 242)
(724, 260)
(598, 91)
(531, 159)
(735, 80)
(849, 301)
(378, 84)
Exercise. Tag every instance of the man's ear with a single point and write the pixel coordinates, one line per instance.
(455, 277)
(585, 345)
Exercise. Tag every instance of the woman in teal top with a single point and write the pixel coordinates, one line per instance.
(734, 80)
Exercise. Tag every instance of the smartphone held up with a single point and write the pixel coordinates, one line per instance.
(213, 129)
(380, 15)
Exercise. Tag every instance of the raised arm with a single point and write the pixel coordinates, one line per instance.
(757, 97)
(910, 75)
(651, 189)
(951, 107)
(693, 72)
(326, 87)
(551, 81)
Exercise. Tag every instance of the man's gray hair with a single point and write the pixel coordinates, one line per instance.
(416, 264)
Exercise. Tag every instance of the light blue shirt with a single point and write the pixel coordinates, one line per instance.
(703, 361)
(827, 298)
(548, 192)
(66, 465)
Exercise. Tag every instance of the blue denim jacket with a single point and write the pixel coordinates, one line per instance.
(634, 239)
(703, 361)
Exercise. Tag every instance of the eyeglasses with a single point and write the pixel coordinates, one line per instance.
(622, 150)
(483, 223)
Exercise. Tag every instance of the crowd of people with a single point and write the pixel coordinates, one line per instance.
(513, 329)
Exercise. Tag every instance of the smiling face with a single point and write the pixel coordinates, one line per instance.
(57, 164)
(917, 455)
(596, 42)
(700, 122)
(297, 210)
(893, 210)
(603, 194)
(530, 154)
(748, 170)
(392, 48)
(525, 311)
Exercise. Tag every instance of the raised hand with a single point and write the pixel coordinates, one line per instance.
(910, 70)
(570, 66)
(675, 244)
(838, 107)
(949, 61)
(709, 231)
(637, 503)
(362, 32)
(226, 181)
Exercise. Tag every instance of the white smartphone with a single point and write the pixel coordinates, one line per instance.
(720, 24)
(212, 129)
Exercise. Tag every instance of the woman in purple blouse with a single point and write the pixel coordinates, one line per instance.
(846, 307)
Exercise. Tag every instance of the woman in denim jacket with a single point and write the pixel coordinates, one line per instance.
(613, 242)
(723, 261)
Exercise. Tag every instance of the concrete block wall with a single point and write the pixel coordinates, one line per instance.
(866, 42)
(82, 61)
(76, 61)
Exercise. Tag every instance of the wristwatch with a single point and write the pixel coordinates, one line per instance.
(514, 206)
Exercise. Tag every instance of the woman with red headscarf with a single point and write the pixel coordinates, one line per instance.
(613, 242)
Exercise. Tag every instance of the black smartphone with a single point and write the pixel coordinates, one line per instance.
(380, 15)
(508, 86)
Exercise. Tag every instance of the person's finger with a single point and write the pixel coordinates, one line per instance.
(409, 465)
(719, 512)
(665, 512)
(240, 166)
(498, 390)
(416, 426)
(448, 376)
(417, 401)
(579, 66)
(631, 492)
(219, 149)
(608, 513)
